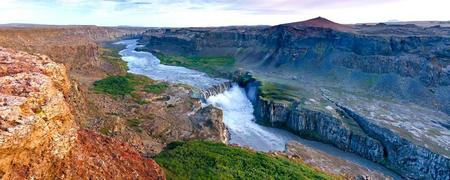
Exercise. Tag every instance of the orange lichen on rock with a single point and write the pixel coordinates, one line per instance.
(38, 136)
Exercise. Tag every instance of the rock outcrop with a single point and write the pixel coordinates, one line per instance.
(39, 138)
(208, 124)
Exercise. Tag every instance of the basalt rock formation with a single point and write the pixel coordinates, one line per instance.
(365, 138)
(39, 138)
(319, 126)
(409, 62)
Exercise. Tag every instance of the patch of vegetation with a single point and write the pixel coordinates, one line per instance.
(157, 88)
(278, 92)
(213, 66)
(110, 53)
(209, 160)
(115, 85)
(134, 124)
(129, 84)
(104, 131)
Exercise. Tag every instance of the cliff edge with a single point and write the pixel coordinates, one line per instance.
(39, 138)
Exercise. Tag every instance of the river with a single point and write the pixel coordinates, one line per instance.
(237, 108)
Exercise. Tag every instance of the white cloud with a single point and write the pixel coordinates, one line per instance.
(216, 12)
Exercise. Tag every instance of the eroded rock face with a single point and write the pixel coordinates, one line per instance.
(318, 126)
(38, 136)
(35, 119)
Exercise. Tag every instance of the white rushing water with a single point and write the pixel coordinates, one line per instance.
(237, 108)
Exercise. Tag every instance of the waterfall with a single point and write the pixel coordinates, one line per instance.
(215, 89)
(235, 104)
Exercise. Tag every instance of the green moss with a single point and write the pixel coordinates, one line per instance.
(209, 160)
(213, 66)
(157, 88)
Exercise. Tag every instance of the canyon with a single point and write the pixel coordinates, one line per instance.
(73, 130)
(379, 91)
(365, 101)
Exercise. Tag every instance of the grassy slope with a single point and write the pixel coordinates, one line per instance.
(209, 160)
(278, 92)
(213, 66)
(122, 85)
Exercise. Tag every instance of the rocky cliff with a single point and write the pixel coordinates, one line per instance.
(324, 127)
(407, 62)
(365, 138)
(317, 125)
(39, 138)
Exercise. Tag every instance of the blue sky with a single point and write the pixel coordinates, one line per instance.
(182, 13)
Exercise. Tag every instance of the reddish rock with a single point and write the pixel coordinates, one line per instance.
(98, 156)
(39, 138)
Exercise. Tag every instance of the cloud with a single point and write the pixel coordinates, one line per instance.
(216, 12)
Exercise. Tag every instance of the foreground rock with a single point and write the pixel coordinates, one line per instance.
(39, 138)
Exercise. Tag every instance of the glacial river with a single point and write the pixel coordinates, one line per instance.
(237, 108)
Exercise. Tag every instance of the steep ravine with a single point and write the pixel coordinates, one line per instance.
(236, 105)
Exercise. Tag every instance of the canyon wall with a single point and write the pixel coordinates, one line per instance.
(405, 64)
(410, 63)
(374, 142)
